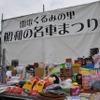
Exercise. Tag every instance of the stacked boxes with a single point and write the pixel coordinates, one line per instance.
(68, 63)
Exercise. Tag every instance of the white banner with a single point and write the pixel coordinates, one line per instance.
(52, 36)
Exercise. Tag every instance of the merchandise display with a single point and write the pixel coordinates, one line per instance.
(65, 81)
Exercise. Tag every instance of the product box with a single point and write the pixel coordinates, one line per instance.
(66, 72)
(69, 60)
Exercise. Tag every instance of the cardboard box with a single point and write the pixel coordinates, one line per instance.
(39, 72)
(75, 69)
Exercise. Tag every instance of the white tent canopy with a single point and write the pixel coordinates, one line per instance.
(52, 36)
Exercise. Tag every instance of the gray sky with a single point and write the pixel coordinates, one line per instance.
(15, 8)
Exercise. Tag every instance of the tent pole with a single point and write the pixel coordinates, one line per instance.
(43, 42)
(2, 54)
(1, 41)
(43, 7)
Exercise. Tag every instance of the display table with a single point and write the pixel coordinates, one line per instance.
(17, 97)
